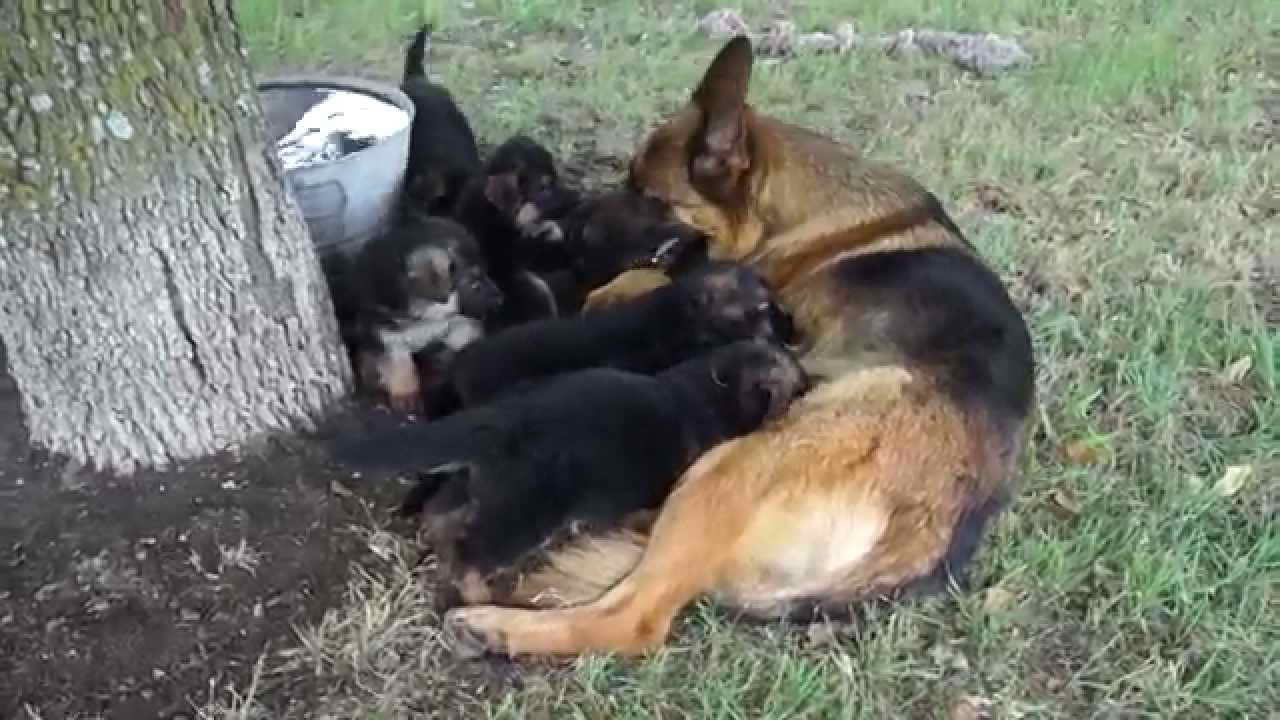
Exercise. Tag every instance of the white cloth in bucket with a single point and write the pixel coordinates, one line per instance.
(342, 123)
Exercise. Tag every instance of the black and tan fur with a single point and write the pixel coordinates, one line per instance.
(616, 231)
(510, 206)
(594, 446)
(410, 299)
(885, 474)
(716, 304)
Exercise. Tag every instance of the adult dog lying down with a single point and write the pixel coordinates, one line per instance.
(882, 477)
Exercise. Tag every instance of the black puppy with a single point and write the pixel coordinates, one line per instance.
(416, 294)
(510, 206)
(442, 146)
(593, 446)
(713, 305)
(620, 230)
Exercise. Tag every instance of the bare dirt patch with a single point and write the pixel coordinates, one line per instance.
(139, 598)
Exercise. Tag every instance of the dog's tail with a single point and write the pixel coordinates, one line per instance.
(415, 58)
(582, 570)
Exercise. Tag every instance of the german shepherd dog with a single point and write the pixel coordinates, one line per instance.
(879, 481)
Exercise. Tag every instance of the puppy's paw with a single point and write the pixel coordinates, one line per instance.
(625, 287)
(398, 376)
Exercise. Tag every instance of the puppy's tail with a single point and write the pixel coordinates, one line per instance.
(415, 58)
(582, 570)
(415, 446)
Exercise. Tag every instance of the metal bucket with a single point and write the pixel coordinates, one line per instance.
(349, 200)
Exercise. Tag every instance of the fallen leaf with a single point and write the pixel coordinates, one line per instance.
(1233, 479)
(971, 707)
(1236, 372)
(996, 599)
(1081, 452)
(1065, 502)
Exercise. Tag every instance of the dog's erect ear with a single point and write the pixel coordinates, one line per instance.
(722, 97)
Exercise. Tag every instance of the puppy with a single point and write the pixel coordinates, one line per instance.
(592, 446)
(509, 206)
(442, 145)
(882, 479)
(624, 244)
(418, 293)
(617, 231)
(712, 306)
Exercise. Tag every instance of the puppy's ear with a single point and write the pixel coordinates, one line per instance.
(690, 251)
(503, 191)
(722, 97)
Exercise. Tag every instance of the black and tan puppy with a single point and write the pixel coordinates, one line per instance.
(610, 233)
(592, 446)
(883, 478)
(714, 305)
(510, 207)
(413, 296)
(442, 146)
(623, 244)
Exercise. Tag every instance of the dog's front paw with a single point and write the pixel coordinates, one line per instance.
(471, 632)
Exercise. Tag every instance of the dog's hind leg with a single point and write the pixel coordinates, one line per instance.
(636, 614)
(633, 617)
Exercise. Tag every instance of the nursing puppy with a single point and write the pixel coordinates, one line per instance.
(715, 305)
(414, 295)
(510, 207)
(442, 145)
(593, 446)
(613, 232)
(624, 245)
(883, 478)
(616, 231)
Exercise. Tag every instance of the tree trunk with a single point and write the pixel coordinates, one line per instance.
(159, 296)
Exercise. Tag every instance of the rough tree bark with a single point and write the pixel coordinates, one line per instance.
(159, 296)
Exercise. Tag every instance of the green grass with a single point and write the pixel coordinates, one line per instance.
(1142, 181)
